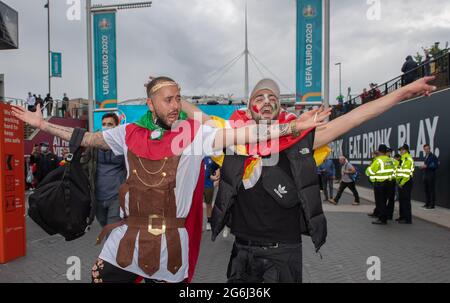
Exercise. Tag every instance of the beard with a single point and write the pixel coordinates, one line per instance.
(163, 120)
(266, 110)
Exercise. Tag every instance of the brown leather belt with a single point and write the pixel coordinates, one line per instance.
(156, 225)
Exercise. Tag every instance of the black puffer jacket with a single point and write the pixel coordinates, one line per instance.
(304, 171)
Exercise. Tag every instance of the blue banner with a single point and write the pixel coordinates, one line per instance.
(56, 64)
(309, 50)
(131, 113)
(105, 60)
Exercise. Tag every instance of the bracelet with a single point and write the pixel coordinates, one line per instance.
(294, 130)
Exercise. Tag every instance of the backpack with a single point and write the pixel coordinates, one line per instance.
(63, 202)
(355, 176)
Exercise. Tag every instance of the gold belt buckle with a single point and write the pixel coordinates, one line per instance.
(156, 231)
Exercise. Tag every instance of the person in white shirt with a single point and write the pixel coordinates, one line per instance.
(31, 102)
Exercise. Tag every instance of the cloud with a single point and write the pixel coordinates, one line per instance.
(190, 39)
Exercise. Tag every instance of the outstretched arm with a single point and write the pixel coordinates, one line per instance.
(193, 112)
(338, 127)
(36, 120)
(263, 132)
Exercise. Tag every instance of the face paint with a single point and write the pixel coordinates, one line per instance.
(274, 106)
(255, 109)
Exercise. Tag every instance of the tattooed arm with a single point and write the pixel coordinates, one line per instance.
(35, 120)
(263, 132)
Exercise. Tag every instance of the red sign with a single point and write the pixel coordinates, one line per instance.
(12, 187)
(56, 145)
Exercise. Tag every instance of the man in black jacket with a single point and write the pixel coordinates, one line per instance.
(269, 207)
(429, 168)
(410, 70)
(46, 162)
(266, 217)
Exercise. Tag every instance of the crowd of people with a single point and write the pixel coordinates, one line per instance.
(412, 69)
(48, 104)
(39, 164)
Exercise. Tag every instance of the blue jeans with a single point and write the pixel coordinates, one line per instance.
(108, 211)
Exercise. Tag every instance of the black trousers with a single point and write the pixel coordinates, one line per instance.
(250, 264)
(429, 182)
(343, 186)
(382, 192)
(391, 200)
(327, 186)
(405, 201)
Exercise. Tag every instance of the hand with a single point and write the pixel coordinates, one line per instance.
(34, 119)
(313, 118)
(420, 88)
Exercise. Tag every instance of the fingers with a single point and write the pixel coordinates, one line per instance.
(429, 78)
(319, 124)
(324, 115)
(17, 108)
(17, 112)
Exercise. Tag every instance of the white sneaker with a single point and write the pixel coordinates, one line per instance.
(225, 232)
(208, 226)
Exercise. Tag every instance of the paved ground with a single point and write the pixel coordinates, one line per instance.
(408, 253)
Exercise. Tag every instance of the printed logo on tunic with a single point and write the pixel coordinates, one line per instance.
(280, 191)
(156, 134)
(305, 151)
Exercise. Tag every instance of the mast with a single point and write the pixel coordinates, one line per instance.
(246, 87)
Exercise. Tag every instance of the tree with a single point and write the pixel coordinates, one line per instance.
(418, 58)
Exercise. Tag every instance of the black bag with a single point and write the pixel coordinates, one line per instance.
(63, 202)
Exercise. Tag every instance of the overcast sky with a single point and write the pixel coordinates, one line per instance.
(190, 39)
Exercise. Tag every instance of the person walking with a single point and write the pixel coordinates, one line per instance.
(348, 179)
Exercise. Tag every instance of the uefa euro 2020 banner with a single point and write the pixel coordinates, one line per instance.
(309, 50)
(105, 60)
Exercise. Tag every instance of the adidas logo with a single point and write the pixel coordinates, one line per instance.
(280, 191)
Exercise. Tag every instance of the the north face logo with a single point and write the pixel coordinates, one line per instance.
(280, 191)
(305, 151)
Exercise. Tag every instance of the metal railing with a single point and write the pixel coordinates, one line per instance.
(52, 109)
(438, 67)
(13, 101)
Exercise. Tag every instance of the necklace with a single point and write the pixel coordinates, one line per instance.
(153, 173)
(164, 175)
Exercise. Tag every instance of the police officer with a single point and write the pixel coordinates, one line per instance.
(393, 186)
(380, 174)
(374, 213)
(404, 178)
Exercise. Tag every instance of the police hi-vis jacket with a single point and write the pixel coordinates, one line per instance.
(382, 169)
(406, 171)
